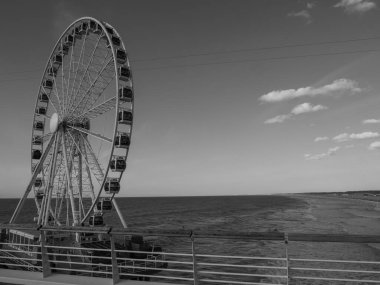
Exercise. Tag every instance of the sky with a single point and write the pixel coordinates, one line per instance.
(231, 97)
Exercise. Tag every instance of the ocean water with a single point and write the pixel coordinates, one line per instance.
(220, 214)
(226, 213)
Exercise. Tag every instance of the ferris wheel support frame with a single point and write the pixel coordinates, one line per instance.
(32, 180)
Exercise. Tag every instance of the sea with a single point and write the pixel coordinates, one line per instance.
(213, 213)
(218, 214)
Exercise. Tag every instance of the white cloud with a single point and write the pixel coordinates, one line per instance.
(297, 110)
(310, 5)
(331, 151)
(319, 139)
(302, 14)
(356, 6)
(277, 119)
(374, 146)
(347, 137)
(307, 108)
(371, 121)
(338, 85)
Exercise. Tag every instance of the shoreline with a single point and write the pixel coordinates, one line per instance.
(343, 215)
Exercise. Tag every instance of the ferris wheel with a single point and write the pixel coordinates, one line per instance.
(82, 127)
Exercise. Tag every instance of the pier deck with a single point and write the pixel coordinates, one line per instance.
(8, 276)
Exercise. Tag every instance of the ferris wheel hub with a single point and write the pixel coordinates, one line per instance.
(54, 122)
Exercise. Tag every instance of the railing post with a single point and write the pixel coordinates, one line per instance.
(195, 269)
(46, 271)
(287, 259)
(115, 269)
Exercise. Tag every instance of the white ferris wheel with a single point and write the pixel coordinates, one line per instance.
(82, 127)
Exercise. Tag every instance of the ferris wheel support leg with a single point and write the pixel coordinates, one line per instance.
(91, 184)
(51, 181)
(31, 182)
(70, 186)
(119, 213)
(63, 197)
(81, 208)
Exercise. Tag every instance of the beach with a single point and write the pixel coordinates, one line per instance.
(328, 214)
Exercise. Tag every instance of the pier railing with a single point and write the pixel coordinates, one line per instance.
(192, 264)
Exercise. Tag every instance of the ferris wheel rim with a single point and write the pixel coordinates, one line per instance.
(60, 112)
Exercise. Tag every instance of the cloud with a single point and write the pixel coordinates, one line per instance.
(319, 139)
(374, 146)
(297, 110)
(307, 108)
(302, 14)
(356, 6)
(310, 5)
(371, 121)
(339, 85)
(347, 137)
(277, 119)
(331, 151)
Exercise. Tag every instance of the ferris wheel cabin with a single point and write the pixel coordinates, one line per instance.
(112, 186)
(125, 94)
(125, 117)
(109, 30)
(95, 27)
(83, 28)
(38, 126)
(76, 34)
(37, 140)
(118, 163)
(104, 205)
(69, 40)
(51, 71)
(43, 98)
(96, 220)
(57, 59)
(121, 56)
(124, 73)
(63, 49)
(41, 110)
(48, 84)
(40, 194)
(122, 140)
(36, 154)
(38, 182)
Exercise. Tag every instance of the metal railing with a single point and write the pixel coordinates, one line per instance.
(192, 265)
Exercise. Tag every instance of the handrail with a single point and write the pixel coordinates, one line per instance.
(192, 264)
(269, 235)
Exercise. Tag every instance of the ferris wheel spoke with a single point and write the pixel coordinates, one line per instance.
(65, 92)
(50, 99)
(94, 170)
(69, 94)
(98, 110)
(91, 133)
(95, 92)
(92, 156)
(88, 93)
(75, 94)
(56, 91)
(95, 163)
(91, 185)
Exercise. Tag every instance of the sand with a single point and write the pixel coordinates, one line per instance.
(341, 215)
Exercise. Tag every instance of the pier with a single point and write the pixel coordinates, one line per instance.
(58, 263)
